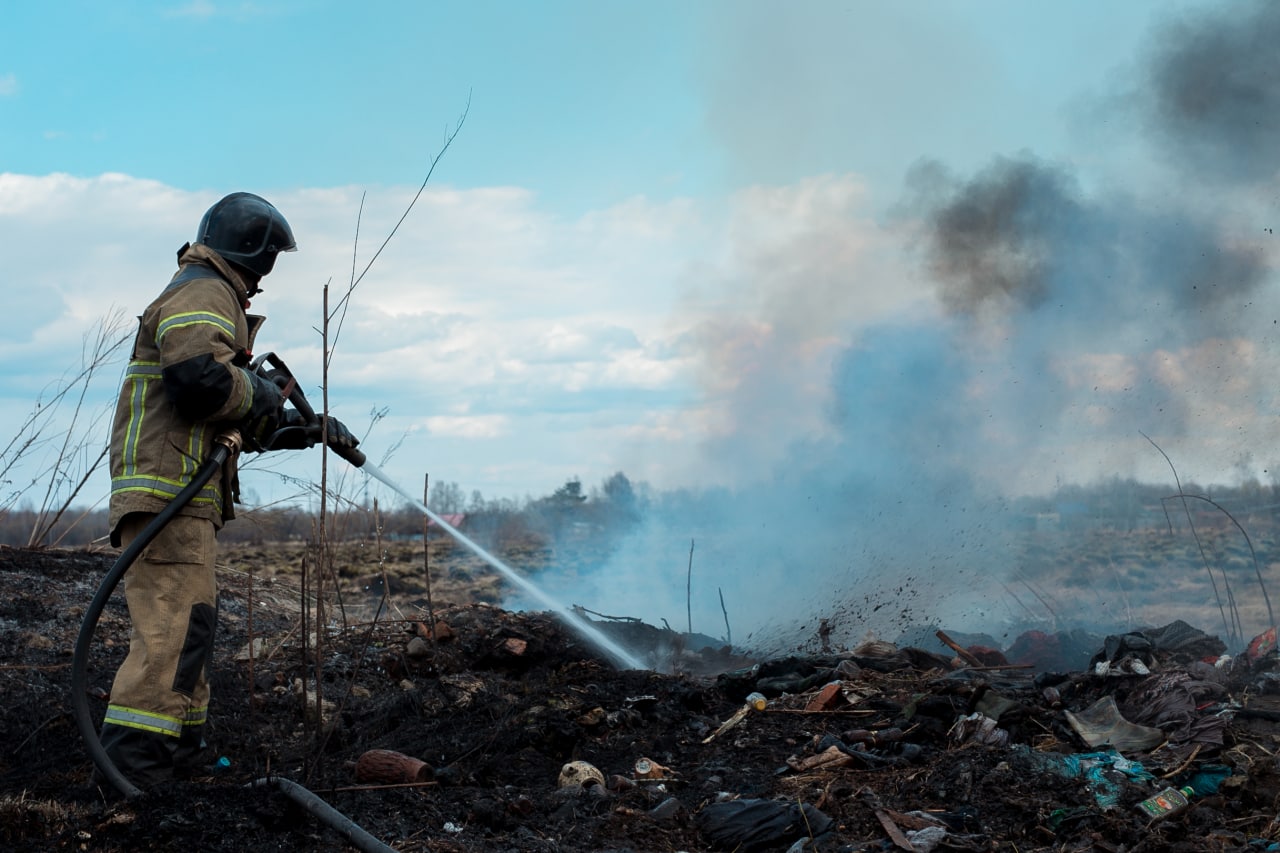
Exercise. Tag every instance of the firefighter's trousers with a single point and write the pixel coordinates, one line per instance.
(160, 698)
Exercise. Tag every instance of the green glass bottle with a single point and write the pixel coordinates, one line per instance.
(1167, 803)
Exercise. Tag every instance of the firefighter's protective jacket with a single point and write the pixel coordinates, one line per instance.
(185, 382)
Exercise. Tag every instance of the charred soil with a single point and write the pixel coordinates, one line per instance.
(497, 703)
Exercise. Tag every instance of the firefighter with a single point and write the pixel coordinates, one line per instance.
(186, 381)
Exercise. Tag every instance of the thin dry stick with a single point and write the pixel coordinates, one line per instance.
(1053, 614)
(323, 543)
(728, 632)
(249, 618)
(306, 638)
(964, 653)
(1235, 629)
(342, 304)
(103, 347)
(31, 434)
(384, 603)
(426, 558)
(388, 787)
(688, 588)
(1190, 758)
(37, 536)
(367, 641)
(328, 345)
(35, 732)
(1252, 553)
(1178, 482)
(1020, 602)
(72, 526)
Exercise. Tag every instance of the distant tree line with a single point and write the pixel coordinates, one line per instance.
(609, 510)
(568, 512)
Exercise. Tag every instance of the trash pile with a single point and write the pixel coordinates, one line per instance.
(486, 730)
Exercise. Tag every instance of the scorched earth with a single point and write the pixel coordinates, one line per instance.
(876, 747)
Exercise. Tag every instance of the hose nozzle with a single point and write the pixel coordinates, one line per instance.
(352, 454)
(230, 439)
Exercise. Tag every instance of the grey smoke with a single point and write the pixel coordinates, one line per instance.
(1214, 82)
(1064, 313)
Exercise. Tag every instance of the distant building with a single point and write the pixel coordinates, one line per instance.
(452, 519)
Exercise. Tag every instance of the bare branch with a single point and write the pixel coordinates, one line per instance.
(356, 279)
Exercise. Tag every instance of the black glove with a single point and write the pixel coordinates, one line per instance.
(339, 436)
(264, 413)
(294, 432)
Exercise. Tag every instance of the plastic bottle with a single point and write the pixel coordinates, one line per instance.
(756, 701)
(1167, 803)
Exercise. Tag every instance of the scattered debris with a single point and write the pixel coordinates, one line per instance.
(514, 736)
(579, 774)
(390, 767)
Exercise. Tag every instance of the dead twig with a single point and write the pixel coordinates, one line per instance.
(855, 712)
(967, 656)
(330, 332)
(891, 829)
(1186, 509)
(1247, 541)
(728, 632)
(382, 787)
(426, 559)
(1184, 765)
(35, 732)
(688, 589)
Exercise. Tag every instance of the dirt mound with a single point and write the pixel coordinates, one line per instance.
(501, 702)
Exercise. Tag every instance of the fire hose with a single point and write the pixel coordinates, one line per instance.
(224, 447)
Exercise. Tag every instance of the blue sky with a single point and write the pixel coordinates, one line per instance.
(706, 244)
(583, 103)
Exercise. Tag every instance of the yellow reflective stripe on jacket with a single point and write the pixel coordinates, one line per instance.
(196, 716)
(247, 402)
(137, 375)
(163, 487)
(143, 368)
(195, 318)
(191, 459)
(134, 718)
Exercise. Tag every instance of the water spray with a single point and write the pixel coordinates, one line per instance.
(273, 367)
(592, 634)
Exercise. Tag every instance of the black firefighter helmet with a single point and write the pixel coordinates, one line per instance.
(248, 231)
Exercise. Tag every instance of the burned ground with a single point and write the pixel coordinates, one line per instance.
(501, 701)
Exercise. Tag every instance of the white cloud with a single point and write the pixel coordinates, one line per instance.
(515, 348)
(489, 327)
(468, 426)
(8, 85)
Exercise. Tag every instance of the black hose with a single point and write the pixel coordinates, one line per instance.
(346, 827)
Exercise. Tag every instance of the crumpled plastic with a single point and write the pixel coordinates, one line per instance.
(1175, 643)
(927, 840)
(978, 728)
(756, 824)
(1209, 778)
(1105, 773)
(1261, 646)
